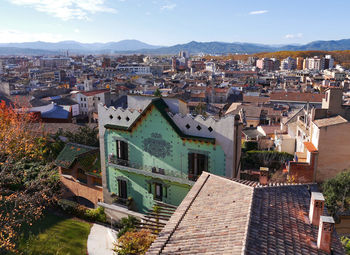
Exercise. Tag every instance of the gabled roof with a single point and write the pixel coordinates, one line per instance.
(162, 107)
(71, 152)
(222, 216)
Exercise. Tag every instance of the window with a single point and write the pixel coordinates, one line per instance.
(122, 189)
(158, 191)
(122, 152)
(197, 163)
(98, 182)
(98, 99)
(82, 176)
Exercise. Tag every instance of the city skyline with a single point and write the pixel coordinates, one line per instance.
(165, 23)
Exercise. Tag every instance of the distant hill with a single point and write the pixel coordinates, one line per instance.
(77, 47)
(5, 51)
(210, 48)
(135, 46)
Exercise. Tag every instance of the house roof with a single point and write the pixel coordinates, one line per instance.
(270, 129)
(296, 97)
(330, 121)
(222, 216)
(251, 133)
(161, 106)
(52, 111)
(310, 146)
(213, 218)
(94, 92)
(255, 99)
(71, 152)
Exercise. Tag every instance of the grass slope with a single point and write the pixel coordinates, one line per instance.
(56, 235)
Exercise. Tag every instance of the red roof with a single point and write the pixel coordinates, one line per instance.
(310, 147)
(94, 92)
(220, 90)
(296, 97)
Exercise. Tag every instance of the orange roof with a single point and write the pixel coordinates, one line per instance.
(310, 147)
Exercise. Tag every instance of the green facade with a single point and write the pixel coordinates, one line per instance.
(154, 142)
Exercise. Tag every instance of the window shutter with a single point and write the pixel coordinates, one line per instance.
(165, 192)
(190, 163)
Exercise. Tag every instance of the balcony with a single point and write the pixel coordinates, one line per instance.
(121, 162)
(152, 171)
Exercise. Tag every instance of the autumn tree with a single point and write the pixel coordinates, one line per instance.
(28, 182)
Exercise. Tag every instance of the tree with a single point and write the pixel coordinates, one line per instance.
(135, 242)
(127, 224)
(28, 182)
(157, 93)
(200, 110)
(85, 135)
(337, 193)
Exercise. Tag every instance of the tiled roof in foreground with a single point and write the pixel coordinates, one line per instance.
(213, 218)
(222, 216)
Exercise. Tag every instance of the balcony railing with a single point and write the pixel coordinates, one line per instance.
(157, 170)
(121, 162)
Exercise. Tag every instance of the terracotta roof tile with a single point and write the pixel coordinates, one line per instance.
(221, 216)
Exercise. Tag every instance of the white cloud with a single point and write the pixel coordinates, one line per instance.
(7, 36)
(148, 13)
(67, 9)
(76, 30)
(258, 12)
(292, 36)
(168, 7)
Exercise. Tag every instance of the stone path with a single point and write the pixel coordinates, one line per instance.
(100, 240)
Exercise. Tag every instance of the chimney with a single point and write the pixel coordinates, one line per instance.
(324, 239)
(316, 208)
(264, 175)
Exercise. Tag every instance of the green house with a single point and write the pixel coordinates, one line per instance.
(152, 152)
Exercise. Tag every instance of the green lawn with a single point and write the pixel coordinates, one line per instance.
(56, 235)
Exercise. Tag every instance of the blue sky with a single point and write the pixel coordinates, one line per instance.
(168, 22)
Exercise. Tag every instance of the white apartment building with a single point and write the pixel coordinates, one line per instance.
(288, 64)
(135, 68)
(89, 100)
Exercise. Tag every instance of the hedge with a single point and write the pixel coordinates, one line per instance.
(274, 160)
(80, 211)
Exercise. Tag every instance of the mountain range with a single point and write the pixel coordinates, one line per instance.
(135, 46)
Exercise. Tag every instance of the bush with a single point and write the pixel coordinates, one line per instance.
(346, 243)
(80, 211)
(337, 193)
(274, 160)
(135, 242)
(250, 145)
(127, 224)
